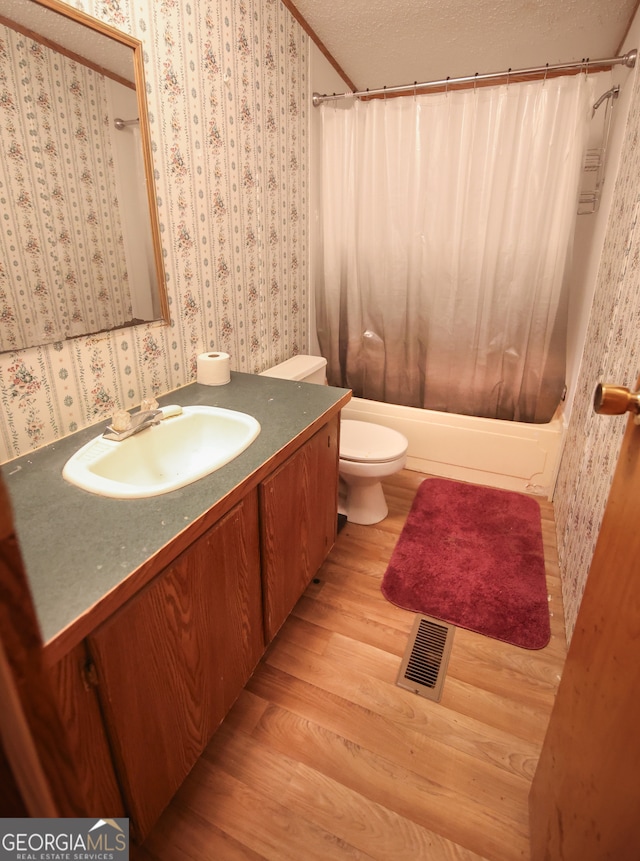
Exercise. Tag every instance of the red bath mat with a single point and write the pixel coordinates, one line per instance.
(473, 556)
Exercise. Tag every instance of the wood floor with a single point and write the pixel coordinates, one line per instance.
(324, 757)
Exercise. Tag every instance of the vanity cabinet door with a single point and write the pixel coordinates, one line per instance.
(172, 661)
(80, 711)
(298, 521)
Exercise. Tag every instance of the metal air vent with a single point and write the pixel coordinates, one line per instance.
(425, 660)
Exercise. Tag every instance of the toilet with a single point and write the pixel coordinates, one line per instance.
(368, 452)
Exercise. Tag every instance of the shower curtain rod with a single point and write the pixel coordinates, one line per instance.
(628, 59)
(121, 124)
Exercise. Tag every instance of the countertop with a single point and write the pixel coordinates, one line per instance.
(77, 547)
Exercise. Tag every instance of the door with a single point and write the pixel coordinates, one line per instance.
(171, 662)
(585, 797)
(298, 517)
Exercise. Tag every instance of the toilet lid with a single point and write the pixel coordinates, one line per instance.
(363, 441)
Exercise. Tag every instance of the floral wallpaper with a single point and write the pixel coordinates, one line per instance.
(612, 354)
(62, 265)
(227, 97)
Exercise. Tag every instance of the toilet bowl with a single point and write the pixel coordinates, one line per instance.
(368, 452)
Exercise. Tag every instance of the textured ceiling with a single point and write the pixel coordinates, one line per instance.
(380, 43)
(68, 33)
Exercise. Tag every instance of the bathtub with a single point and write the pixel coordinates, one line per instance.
(508, 455)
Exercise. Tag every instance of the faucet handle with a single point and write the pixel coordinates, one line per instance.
(120, 421)
(148, 404)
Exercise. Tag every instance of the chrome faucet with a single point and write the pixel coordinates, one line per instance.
(137, 422)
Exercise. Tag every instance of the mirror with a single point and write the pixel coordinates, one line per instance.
(80, 242)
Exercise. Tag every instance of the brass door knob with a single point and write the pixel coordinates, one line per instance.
(615, 400)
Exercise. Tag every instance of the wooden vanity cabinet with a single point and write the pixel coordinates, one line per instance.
(145, 691)
(170, 663)
(298, 522)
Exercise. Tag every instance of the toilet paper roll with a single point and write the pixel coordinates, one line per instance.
(213, 369)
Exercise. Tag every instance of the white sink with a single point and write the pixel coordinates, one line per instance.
(164, 457)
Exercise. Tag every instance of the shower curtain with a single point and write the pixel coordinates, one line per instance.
(446, 227)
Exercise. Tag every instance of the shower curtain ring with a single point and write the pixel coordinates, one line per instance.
(475, 82)
(508, 75)
(446, 86)
(546, 72)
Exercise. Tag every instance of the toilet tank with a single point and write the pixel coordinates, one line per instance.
(308, 369)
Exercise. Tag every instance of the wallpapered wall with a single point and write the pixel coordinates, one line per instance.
(226, 85)
(611, 354)
(54, 114)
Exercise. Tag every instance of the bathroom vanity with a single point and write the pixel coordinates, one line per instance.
(156, 611)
